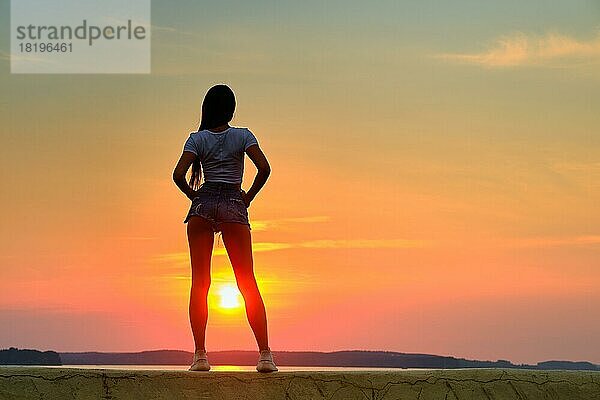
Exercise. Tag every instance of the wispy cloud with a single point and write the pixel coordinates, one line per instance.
(258, 247)
(261, 225)
(364, 244)
(581, 240)
(521, 49)
(182, 257)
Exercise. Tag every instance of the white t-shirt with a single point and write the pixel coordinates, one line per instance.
(221, 153)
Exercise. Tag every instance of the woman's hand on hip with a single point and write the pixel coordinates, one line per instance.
(193, 194)
(247, 198)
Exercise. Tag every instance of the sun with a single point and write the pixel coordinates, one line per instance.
(230, 297)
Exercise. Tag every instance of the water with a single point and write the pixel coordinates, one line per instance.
(224, 368)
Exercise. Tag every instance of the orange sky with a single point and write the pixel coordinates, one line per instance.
(426, 195)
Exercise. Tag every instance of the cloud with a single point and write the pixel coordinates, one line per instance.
(363, 244)
(258, 247)
(183, 257)
(262, 225)
(520, 49)
(582, 240)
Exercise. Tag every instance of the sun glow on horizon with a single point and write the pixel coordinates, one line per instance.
(229, 297)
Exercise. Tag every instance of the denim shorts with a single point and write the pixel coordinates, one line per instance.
(219, 202)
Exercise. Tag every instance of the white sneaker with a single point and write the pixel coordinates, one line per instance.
(200, 361)
(265, 362)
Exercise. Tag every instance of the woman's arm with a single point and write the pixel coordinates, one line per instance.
(264, 170)
(186, 159)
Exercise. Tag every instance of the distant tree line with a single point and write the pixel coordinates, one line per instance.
(14, 356)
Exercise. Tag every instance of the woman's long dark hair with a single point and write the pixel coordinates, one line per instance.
(217, 109)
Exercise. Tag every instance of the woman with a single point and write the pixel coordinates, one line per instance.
(220, 205)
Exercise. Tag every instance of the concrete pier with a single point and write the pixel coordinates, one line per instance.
(461, 384)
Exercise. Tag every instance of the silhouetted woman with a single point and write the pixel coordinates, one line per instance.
(220, 204)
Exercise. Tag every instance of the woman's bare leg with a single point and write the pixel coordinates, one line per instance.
(238, 242)
(200, 239)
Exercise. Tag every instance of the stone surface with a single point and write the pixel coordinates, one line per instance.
(462, 384)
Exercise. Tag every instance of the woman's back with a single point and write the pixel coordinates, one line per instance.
(221, 205)
(221, 154)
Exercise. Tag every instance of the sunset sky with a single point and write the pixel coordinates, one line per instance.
(435, 182)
